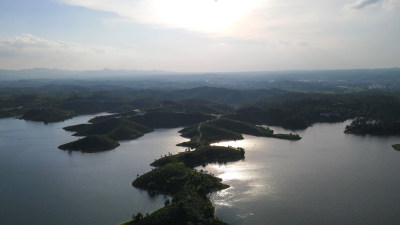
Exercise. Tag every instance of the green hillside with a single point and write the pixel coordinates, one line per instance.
(91, 144)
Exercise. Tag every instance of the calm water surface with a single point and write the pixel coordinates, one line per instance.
(44, 185)
(325, 178)
(328, 177)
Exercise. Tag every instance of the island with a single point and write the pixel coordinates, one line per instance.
(396, 147)
(103, 135)
(203, 155)
(91, 144)
(224, 129)
(175, 175)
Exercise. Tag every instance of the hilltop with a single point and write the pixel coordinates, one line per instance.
(112, 128)
(224, 129)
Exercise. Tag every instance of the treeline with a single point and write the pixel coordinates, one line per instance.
(364, 126)
(300, 110)
(293, 110)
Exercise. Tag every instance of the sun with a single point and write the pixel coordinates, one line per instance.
(203, 15)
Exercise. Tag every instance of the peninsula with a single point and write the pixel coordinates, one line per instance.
(175, 175)
(202, 129)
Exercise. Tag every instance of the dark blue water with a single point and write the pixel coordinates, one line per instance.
(40, 184)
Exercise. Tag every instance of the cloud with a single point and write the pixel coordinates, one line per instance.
(391, 4)
(386, 4)
(360, 4)
(27, 51)
(276, 34)
(207, 16)
(28, 43)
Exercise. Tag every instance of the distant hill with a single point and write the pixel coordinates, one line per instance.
(304, 80)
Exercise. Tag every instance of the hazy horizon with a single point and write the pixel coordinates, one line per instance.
(199, 35)
(205, 72)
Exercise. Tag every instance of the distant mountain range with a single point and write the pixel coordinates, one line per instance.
(310, 80)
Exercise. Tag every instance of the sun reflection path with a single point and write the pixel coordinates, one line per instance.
(241, 143)
(247, 179)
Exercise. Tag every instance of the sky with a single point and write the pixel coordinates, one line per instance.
(199, 35)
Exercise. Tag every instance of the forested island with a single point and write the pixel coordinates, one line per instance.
(396, 147)
(189, 189)
(175, 176)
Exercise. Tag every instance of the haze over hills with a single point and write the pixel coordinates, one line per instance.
(303, 80)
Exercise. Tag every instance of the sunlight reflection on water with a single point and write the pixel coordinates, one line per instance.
(241, 143)
(303, 182)
(245, 180)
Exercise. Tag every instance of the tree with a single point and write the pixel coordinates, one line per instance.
(138, 217)
(167, 202)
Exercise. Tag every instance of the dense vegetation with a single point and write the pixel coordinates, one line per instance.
(91, 144)
(221, 129)
(170, 119)
(47, 115)
(293, 110)
(128, 126)
(173, 177)
(300, 110)
(189, 188)
(107, 131)
(187, 207)
(115, 128)
(363, 125)
(203, 155)
(151, 109)
(83, 102)
(396, 147)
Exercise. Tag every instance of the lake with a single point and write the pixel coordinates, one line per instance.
(328, 177)
(44, 185)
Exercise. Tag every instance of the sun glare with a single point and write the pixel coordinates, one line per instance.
(203, 15)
